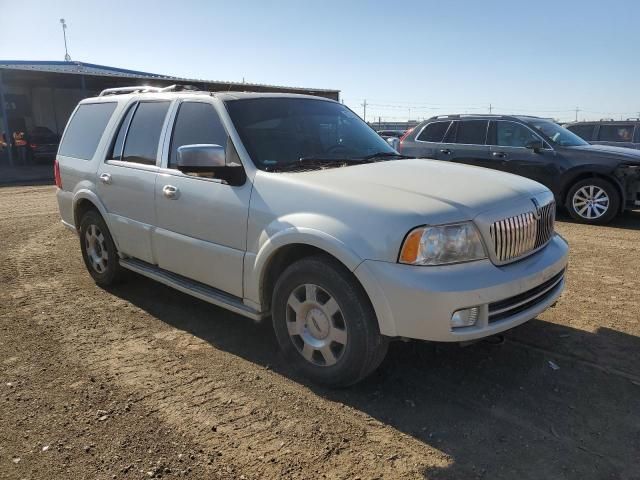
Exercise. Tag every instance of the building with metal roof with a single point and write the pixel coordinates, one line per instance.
(42, 94)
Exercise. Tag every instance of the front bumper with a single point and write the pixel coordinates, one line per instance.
(418, 302)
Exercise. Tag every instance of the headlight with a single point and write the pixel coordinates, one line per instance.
(442, 244)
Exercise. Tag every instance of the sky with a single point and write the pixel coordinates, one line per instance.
(406, 59)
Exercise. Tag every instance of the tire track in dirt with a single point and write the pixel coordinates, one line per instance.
(263, 425)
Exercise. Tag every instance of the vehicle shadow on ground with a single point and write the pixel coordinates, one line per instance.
(629, 220)
(548, 402)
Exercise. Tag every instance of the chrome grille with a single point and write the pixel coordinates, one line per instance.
(516, 236)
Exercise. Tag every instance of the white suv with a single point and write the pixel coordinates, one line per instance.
(291, 207)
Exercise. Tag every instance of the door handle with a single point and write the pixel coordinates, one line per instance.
(105, 178)
(499, 154)
(170, 192)
(446, 151)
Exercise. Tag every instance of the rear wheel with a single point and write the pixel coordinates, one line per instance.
(325, 324)
(99, 250)
(594, 201)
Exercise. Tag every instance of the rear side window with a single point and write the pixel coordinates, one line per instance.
(472, 132)
(142, 138)
(583, 131)
(85, 130)
(116, 151)
(616, 133)
(433, 132)
(196, 123)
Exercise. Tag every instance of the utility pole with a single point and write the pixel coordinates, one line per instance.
(67, 57)
(577, 110)
(365, 109)
(490, 109)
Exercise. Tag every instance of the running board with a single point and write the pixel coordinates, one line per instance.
(191, 287)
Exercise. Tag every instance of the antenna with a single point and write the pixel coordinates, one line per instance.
(67, 57)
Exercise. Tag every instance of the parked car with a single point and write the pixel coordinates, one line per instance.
(594, 182)
(609, 132)
(292, 207)
(392, 137)
(43, 143)
(391, 133)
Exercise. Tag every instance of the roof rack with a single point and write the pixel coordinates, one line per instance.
(146, 89)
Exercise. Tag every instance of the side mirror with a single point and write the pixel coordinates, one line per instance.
(210, 160)
(535, 145)
(200, 158)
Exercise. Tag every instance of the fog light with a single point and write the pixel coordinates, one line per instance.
(465, 318)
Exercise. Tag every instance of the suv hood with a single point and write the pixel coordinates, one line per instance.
(440, 191)
(373, 206)
(629, 155)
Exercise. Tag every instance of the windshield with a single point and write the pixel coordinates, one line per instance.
(557, 134)
(280, 132)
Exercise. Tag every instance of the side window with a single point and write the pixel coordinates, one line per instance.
(616, 133)
(196, 123)
(116, 149)
(141, 143)
(583, 131)
(511, 134)
(433, 132)
(85, 130)
(472, 132)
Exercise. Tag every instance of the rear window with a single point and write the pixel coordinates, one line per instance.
(85, 130)
(143, 136)
(616, 133)
(433, 132)
(583, 131)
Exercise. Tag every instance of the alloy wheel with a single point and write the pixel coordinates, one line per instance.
(96, 248)
(316, 325)
(591, 202)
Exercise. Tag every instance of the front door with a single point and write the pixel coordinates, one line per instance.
(201, 222)
(126, 180)
(510, 149)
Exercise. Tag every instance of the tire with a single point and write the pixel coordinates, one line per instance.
(334, 315)
(593, 201)
(99, 250)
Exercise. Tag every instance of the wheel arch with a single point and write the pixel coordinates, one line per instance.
(585, 175)
(85, 200)
(284, 249)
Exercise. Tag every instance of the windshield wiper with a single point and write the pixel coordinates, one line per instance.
(381, 155)
(304, 163)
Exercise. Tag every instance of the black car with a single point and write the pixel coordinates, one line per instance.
(43, 143)
(594, 182)
(619, 133)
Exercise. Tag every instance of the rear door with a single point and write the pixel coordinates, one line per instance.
(509, 140)
(126, 179)
(202, 224)
(426, 141)
(466, 143)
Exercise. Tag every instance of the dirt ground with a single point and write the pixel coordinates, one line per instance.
(142, 381)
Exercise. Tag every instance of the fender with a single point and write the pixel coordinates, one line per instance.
(87, 194)
(255, 265)
(595, 170)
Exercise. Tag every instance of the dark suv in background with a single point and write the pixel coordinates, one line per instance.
(594, 182)
(619, 133)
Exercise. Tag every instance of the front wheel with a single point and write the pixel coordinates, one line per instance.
(593, 200)
(325, 324)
